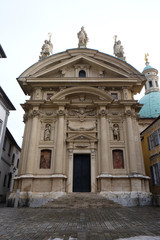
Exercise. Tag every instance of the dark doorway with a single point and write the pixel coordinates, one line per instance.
(81, 173)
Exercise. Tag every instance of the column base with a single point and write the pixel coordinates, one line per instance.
(32, 199)
(129, 199)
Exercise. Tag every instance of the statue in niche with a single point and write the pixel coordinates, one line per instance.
(47, 132)
(118, 48)
(83, 39)
(116, 133)
(47, 48)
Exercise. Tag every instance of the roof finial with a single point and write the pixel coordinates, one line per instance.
(146, 58)
(47, 48)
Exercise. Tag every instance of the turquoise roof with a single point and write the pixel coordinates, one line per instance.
(151, 107)
(147, 67)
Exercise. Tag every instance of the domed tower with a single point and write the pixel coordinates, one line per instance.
(151, 99)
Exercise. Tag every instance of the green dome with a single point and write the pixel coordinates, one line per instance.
(151, 107)
(147, 67)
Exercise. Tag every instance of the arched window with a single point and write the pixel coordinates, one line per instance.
(45, 158)
(82, 74)
(118, 161)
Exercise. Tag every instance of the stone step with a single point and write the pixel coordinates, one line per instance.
(81, 200)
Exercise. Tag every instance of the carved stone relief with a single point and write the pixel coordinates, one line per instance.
(82, 112)
(82, 126)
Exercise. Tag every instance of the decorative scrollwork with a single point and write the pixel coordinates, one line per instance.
(35, 113)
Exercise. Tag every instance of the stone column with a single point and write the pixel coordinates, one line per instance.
(32, 141)
(131, 143)
(104, 144)
(60, 143)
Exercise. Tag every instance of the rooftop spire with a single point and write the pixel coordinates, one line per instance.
(146, 57)
(151, 76)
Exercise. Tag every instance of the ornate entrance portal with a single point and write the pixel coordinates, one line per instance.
(81, 173)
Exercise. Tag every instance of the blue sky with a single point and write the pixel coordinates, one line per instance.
(25, 24)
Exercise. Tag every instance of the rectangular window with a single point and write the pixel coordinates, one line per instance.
(149, 142)
(156, 138)
(49, 95)
(4, 144)
(1, 125)
(114, 95)
(9, 151)
(155, 174)
(150, 84)
(4, 182)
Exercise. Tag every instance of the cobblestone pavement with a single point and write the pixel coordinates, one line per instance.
(81, 223)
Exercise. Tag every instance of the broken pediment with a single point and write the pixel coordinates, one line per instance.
(81, 138)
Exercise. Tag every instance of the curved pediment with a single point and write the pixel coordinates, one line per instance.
(68, 59)
(64, 68)
(100, 94)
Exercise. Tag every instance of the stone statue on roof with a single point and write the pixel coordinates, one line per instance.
(47, 48)
(83, 39)
(118, 49)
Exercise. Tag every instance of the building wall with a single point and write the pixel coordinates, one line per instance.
(3, 122)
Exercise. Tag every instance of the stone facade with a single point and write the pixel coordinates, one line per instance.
(81, 107)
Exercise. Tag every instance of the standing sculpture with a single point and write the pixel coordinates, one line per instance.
(47, 48)
(118, 49)
(116, 133)
(47, 133)
(83, 39)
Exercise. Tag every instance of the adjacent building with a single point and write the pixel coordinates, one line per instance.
(8, 165)
(9, 150)
(5, 107)
(151, 151)
(81, 127)
(2, 53)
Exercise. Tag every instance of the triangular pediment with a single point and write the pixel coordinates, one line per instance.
(64, 68)
(81, 138)
(67, 67)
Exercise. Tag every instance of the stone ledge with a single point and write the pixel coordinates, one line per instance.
(104, 175)
(41, 176)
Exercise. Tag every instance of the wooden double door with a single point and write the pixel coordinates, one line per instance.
(81, 173)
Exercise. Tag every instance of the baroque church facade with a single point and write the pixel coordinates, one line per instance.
(81, 127)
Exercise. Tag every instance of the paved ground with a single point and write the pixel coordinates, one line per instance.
(86, 223)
